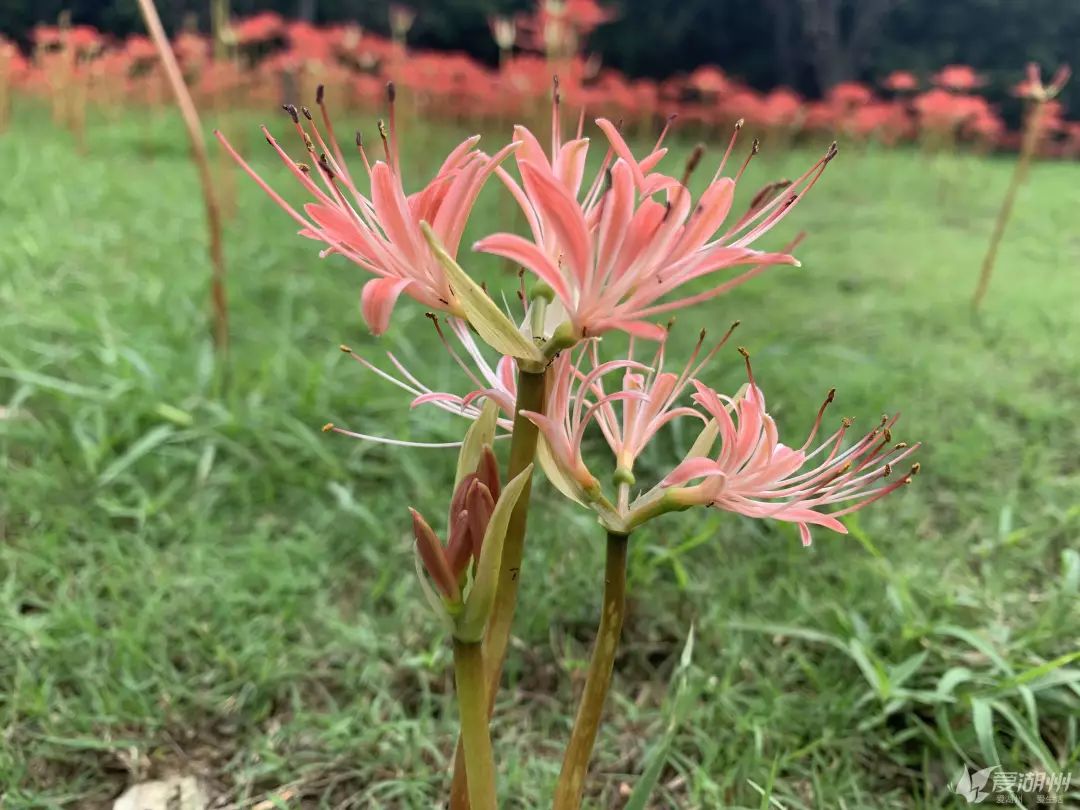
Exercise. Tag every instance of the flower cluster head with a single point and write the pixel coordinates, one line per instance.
(1032, 86)
(609, 255)
(756, 475)
(629, 416)
(752, 473)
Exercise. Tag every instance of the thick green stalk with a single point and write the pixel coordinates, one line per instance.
(470, 681)
(530, 397)
(598, 680)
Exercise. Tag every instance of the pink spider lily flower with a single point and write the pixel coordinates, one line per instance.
(381, 233)
(496, 383)
(610, 256)
(628, 418)
(629, 431)
(756, 475)
(1033, 87)
(571, 406)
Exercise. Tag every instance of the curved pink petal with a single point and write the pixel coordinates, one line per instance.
(618, 145)
(640, 329)
(570, 164)
(565, 454)
(690, 469)
(462, 195)
(648, 163)
(712, 209)
(563, 214)
(393, 214)
(521, 251)
(339, 226)
(458, 155)
(811, 517)
(436, 396)
(378, 299)
(615, 218)
(530, 149)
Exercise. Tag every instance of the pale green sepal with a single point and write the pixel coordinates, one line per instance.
(483, 314)
(555, 474)
(436, 602)
(469, 626)
(703, 444)
(644, 510)
(480, 432)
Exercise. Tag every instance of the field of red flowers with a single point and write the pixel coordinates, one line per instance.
(265, 59)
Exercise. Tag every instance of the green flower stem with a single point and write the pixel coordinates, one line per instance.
(530, 397)
(475, 737)
(598, 681)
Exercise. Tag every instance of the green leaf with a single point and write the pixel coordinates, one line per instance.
(788, 630)
(1070, 573)
(952, 678)
(469, 626)
(900, 674)
(1027, 734)
(144, 445)
(975, 641)
(982, 718)
(480, 433)
(497, 330)
(944, 725)
(1037, 672)
(680, 700)
(871, 670)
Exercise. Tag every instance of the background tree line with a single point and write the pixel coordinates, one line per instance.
(805, 44)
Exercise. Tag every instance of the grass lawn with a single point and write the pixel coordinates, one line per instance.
(194, 578)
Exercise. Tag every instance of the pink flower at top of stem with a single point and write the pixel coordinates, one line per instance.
(381, 232)
(611, 255)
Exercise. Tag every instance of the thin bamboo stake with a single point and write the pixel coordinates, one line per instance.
(1039, 94)
(218, 298)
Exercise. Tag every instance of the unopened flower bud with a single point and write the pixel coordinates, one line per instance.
(434, 558)
(480, 505)
(487, 471)
(459, 551)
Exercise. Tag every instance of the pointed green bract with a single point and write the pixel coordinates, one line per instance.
(705, 440)
(469, 626)
(435, 602)
(703, 444)
(480, 433)
(555, 474)
(484, 315)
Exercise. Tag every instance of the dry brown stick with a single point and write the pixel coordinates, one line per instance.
(218, 299)
(1028, 145)
(1039, 94)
